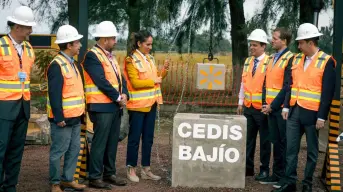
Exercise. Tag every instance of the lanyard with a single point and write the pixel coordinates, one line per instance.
(20, 60)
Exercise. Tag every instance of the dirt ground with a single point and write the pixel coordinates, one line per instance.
(34, 175)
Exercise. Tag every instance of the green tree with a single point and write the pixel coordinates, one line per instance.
(291, 14)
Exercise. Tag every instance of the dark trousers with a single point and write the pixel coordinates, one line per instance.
(141, 124)
(104, 144)
(277, 135)
(257, 122)
(295, 129)
(12, 142)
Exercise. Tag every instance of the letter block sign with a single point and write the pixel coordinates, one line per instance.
(211, 76)
(209, 150)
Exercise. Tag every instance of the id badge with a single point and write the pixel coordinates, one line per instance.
(22, 76)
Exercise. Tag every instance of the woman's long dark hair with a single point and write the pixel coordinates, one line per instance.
(140, 36)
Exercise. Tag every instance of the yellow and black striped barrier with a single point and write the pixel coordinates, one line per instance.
(81, 169)
(331, 170)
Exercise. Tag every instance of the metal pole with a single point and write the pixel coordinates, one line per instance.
(83, 27)
(315, 19)
(331, 170)
(317, 5)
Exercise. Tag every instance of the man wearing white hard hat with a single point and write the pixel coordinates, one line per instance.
(106, 95)
(250, 96)
(273, 96)
(16, 60)
(65, 106)
(307, 104)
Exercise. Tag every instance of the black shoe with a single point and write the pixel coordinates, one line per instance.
(270, 180)
(286, 188)
(115, 180)
(249, 172)
(279, 184)
(262, 175)
(307, 188)
(99, 184)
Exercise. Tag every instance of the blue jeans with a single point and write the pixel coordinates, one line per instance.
(142, 124)
(65, 141)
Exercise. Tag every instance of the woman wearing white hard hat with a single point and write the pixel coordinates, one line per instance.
(307, 104)
(65, 108)
(106, 95)
(16, 61)
(250, 98)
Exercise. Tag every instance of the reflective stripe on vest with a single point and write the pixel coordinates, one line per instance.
(272, 93)
(320, 61)
(305, 95)
(284, 60)
(70, 103)
(257, 97)
(5, 47)
(28, 49)
(14, 86)
(263, 68)
(93, 89)
(146, 94)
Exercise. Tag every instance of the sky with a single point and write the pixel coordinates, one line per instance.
(250, 7)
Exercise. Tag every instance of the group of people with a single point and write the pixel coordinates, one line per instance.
(274, 91)
(283, 96)
(98, 86)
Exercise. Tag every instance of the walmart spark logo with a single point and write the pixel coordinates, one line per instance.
(211, 78)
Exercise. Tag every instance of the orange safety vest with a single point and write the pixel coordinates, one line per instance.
(93, 94)
(147, 70)
(73, 100)
(275, 75)
(253, 85)
(10, 86)
(307, 85)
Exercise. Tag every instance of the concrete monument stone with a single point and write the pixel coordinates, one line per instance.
(209, 150)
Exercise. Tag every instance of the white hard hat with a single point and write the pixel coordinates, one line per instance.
(22, 15)
(66, 34)
(307, 31)
(258, 35)
(105, 29)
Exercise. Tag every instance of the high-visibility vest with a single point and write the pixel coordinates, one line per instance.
(10, 86)
(307, 85)
(275, 75)
(73, 100)
(93, 94)
(147, 70)
(253, 85)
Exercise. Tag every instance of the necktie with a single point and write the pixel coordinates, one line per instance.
(115, 70)
(255, 66)
(276, 56)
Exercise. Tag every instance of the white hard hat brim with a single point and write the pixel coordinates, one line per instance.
(13, 20)
(309, 36)
(78, 37)
(259, 40)
(106, 35)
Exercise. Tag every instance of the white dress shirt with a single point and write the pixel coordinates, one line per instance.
(241, 91)
(17, 46)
